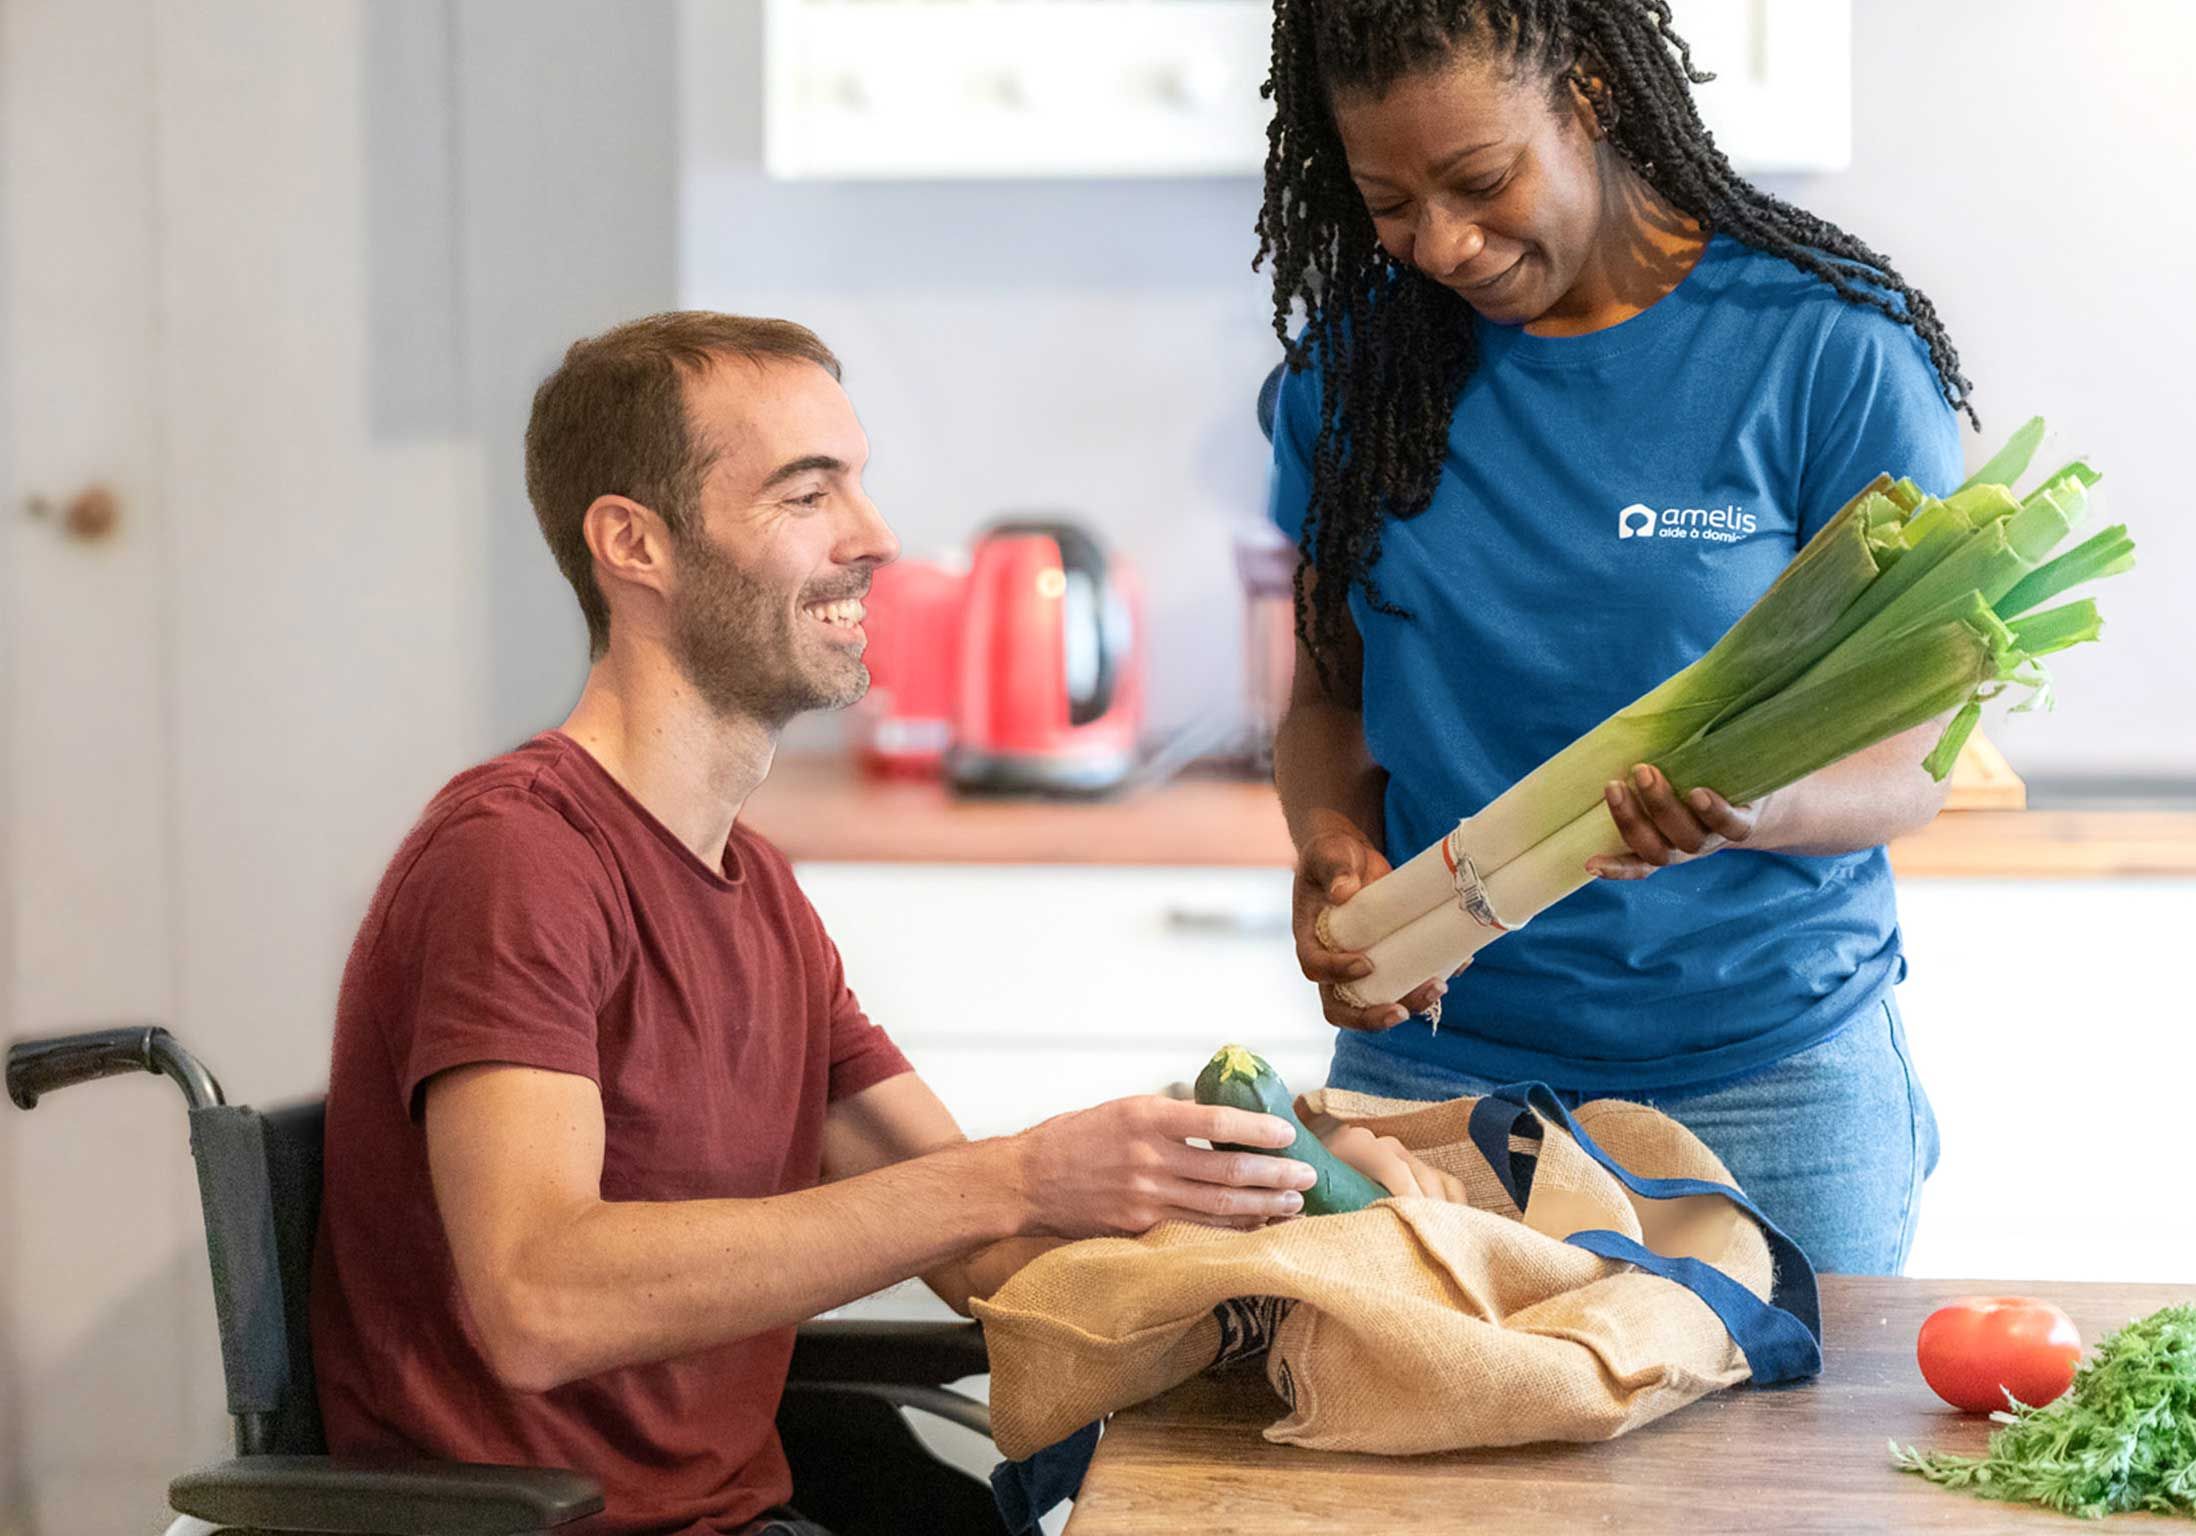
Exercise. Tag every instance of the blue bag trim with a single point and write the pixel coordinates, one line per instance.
(1781, 1337)
(1027, 1490)
(1493, 1118)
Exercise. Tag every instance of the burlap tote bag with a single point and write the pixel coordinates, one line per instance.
(1605, 1273)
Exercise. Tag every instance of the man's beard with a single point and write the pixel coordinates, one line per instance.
(739, 643)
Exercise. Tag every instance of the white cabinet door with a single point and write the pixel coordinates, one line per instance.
(2053, 1028)
(87, 879)
(910, 89)
(1022, 992)
(1782, 99)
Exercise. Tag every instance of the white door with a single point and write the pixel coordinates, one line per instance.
(86, 837)
(220, 715)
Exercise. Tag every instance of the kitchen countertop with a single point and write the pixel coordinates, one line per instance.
(822, 808)
(1794, 1460)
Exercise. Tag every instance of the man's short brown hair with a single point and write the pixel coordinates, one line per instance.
(611, 421)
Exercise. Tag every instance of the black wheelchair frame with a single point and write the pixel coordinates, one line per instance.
(857, 1466)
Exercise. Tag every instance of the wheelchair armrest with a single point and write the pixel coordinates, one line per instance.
(888, 1353)
(383, 1498)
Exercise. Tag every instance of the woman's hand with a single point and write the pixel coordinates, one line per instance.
(1388, 1163)
(1661, 829)
(1335, 864)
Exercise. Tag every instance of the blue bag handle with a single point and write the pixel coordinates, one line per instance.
(1781, 1337)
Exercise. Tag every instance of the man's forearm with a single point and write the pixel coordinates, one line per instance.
(621, 1283)
(984, 1271)
(1321, 768)
(1869, 798)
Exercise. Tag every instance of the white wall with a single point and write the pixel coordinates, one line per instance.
(1088, 347)
(1096, 345)
(567, 186)
(2027, 164)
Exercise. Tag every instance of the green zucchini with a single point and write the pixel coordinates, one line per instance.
(1239, 1079)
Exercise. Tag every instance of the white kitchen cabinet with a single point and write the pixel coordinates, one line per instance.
(2053, 1029)
(942, 89)
(2046, 1019)
(1021, 992)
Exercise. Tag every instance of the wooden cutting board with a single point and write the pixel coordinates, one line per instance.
(1982, 780)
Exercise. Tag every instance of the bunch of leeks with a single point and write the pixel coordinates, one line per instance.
(1902, 610)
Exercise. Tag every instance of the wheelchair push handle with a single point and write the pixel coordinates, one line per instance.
(38, 1067)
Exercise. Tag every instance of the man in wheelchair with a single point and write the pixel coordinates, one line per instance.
(605, 1120)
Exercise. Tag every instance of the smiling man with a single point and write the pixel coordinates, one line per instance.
(605, 1121)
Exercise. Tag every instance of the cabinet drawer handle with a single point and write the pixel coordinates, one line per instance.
(1235, 922)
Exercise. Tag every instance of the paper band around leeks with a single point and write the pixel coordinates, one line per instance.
(1471, 891)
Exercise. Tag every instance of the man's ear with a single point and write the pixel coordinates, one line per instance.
(630, 543)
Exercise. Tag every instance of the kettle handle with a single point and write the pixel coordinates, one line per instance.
(1082, 555)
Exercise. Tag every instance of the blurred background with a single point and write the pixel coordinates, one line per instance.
(277, 281)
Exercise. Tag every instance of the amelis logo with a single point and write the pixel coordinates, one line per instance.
(1716, 525)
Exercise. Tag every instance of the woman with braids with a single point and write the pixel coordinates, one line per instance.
(1570, 395)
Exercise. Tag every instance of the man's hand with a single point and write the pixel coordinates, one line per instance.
(1124, 1167)
(1662, 830)
(1388, 1163)
(1334, 865)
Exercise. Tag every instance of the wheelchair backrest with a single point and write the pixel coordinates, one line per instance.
(259, 1187)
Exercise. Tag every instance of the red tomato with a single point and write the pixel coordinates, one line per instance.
(1975, 1350)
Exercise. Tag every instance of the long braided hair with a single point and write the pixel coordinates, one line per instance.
(1393, 347)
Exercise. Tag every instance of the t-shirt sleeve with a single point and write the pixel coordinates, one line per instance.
(1295, 431)
(1875, 408)
(510, 924)
(862, 1054)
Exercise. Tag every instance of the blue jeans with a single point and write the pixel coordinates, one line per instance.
(1832, 1143)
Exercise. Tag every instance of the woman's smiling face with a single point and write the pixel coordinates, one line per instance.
(1489, 183)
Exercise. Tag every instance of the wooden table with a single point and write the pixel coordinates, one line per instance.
(1787, 1461)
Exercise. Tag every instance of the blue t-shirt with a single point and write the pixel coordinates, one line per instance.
(1609, 505)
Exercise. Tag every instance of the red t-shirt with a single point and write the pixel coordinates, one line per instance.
(539, 915)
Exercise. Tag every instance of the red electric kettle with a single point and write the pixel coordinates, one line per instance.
(1051, 695)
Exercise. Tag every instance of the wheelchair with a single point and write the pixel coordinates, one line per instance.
(857, 1466)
